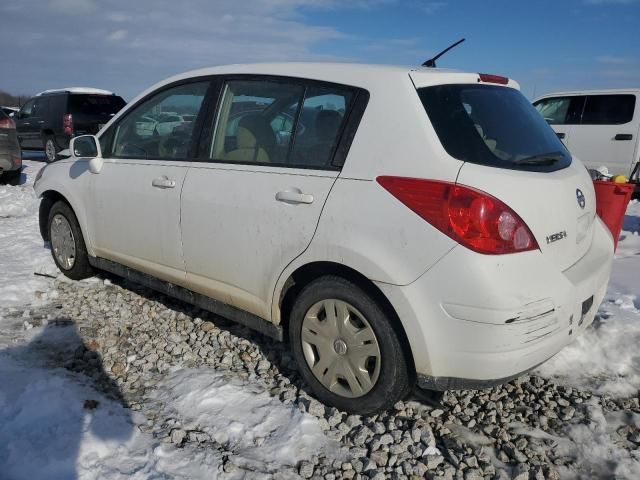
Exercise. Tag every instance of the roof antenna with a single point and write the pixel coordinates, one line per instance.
(431, 63)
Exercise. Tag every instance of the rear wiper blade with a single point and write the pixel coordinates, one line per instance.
(541, 159)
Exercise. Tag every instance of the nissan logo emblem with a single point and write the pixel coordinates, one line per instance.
(580, 198)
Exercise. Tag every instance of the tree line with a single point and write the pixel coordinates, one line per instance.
(9, 100)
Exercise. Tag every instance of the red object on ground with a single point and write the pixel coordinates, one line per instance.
(611, 204)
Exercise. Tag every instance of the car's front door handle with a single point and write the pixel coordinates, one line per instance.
(561, 135)
(623, 136)
(41, 122)
(294, 196)
(163, 182)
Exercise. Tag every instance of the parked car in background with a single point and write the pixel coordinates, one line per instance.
(51, 118)
(10, 111)
(600, 127)
(10, 155)
(425, 225)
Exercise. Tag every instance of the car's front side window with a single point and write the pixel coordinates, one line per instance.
(26, 110)
(162, 126)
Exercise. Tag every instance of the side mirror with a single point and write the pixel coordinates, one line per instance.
(87, 147)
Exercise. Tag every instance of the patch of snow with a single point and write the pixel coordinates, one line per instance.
(242, 416)
(21, 247)
(606, 358)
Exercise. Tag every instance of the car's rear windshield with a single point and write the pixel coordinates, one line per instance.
(493, 126)
(95, 104)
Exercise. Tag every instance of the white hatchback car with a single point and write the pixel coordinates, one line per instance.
(394, 224)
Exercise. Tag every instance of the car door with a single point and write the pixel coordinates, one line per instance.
(253, 206)
(26, 124)
(135, 206)
(607, 133)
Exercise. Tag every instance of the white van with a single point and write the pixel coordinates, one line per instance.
(600, 127)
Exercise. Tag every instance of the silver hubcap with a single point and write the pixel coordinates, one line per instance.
(50, 150)
(341, 348)
(62, 241)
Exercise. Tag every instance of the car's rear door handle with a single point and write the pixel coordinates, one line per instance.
(41, 122)
(623, 136)
(163, 182)
(561, 135)
(294, 196)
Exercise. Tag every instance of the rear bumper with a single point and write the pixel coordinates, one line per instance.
(474, 321)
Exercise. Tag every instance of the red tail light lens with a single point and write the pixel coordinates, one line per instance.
(7, 123)
(471, 217)
(489, 78)
(67, 124)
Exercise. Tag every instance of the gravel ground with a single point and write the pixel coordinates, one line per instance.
(530, 428)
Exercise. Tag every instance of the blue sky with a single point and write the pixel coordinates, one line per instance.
(127, 45)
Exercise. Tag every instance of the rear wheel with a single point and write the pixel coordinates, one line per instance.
(346, 347)
(67, 244)
(50, 148)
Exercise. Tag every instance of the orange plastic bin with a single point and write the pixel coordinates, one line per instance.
(611, 204)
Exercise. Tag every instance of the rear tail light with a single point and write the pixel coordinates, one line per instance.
(7, 123)
(489, 78)
(67, 124)
(471, 217)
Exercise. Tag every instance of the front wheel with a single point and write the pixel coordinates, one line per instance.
(67, 244)
(347, 347)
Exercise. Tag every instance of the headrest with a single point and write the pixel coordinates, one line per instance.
(255, 131)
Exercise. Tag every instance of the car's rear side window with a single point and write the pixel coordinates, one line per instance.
(282, 122)
(608, 109)
(493, 126)
(95, 104)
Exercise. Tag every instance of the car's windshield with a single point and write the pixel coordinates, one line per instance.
(491, 125)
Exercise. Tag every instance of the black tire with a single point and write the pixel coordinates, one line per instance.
(11, 177)
(81, 267)
(50, 151)
(395, 379)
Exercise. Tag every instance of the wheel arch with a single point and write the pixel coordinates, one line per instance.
(307, 273)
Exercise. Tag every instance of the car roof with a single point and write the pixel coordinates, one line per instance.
(77, 90)
(356, 74)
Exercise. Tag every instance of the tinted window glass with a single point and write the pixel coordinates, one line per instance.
(255, 122)
(95, 104)
(561, 110)
(321, 122)
(494, 126)
(162, 126)
(554, 110)
(26, 109)
(608, 109)
(40, 107)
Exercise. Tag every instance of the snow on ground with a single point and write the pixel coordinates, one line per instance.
(21, 247)
(606, 358)
(46, 431)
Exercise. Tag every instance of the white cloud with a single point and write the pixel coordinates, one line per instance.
(117, 35)
(613, 60)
